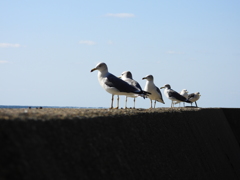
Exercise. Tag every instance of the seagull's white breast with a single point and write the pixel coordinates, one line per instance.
(102, 78)
(150, 87)
(195, 98)
(166, 91)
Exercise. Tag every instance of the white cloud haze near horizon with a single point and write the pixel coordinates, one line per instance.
(9, 45)
(3, 62)
(47, 50)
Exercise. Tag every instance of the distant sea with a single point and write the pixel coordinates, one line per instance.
(38, 107)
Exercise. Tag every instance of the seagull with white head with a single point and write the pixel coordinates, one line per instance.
(173, 95)
(184, 93)
(193, 97)
(154, 90)
(127, 77)
(115, 85)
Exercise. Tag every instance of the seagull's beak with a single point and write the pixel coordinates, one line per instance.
(162, 87)
(120, 77)
(143, 78)
(93, 69)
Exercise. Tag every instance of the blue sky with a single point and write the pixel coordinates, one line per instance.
(47, 49)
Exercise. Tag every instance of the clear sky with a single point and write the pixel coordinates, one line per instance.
(48, 47)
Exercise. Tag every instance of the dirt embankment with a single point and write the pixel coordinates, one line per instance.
(88, 144)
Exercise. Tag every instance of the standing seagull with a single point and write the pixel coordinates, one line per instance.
(154, 90)
(173, 95)
(127, 77)
(113, 84)
(184, 93)
(193, 97)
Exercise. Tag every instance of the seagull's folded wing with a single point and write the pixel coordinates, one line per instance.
(122, 86)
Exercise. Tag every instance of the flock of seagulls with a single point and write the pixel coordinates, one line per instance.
(126, 85)
(173, 95)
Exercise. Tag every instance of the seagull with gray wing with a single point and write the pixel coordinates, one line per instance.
(127, 77)
(184, 93)
(154, 90)
(193, 97)
(173, 95)
(115, 85)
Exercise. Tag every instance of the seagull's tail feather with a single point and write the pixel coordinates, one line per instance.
(144, 94)
(161, 101)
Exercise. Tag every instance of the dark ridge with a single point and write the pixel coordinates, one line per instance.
(183, 143)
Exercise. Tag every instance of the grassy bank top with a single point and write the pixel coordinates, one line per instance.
(65, 113)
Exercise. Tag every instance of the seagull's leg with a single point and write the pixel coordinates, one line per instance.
(112, 101)
(126, 103)
(117, 102)
(155, 104)
(134, 99)
(151, 104)
(196, 103)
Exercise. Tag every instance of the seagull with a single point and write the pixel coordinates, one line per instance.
(193, 97)
(184, 93)
(173, 95)
(115, 85)
(154, 90)
(127, 77)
